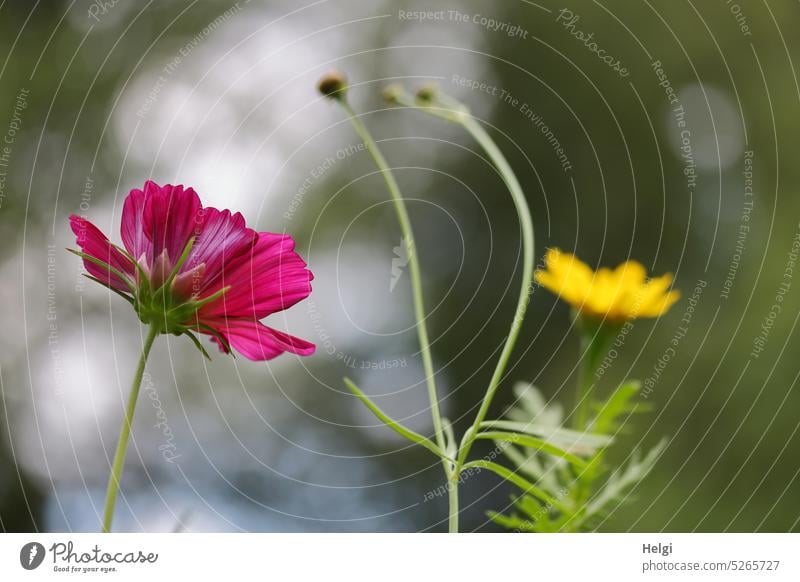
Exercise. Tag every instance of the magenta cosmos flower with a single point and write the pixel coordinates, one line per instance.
(187, 269)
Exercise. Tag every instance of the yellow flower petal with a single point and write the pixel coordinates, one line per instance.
(618, 295)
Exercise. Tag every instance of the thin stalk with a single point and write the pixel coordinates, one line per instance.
(125, 431)
(595, 338)
(594, 341)
(452, 501)
(413, 263)
(454, 112)
(582, 397)
(526, 224)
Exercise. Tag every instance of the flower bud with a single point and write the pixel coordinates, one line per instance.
(392, 93)
(333, 85)
(427, 94)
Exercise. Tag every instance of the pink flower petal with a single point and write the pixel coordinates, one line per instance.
(132, 227)
(223, 239)
(270, 278)
(171, 216)
(93, 242)
(256, 341)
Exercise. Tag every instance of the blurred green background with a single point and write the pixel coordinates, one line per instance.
(97, 97)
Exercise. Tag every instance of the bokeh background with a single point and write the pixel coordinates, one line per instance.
(99, 96)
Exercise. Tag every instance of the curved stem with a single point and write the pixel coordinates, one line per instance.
(451, 110)
(526, 224)
(124, 433)
(413, 264)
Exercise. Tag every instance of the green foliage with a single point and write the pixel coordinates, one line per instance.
(559, 494)
(620, 482)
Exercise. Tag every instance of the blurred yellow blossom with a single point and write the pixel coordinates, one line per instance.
(616, 294)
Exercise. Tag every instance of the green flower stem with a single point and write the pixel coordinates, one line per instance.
(526, 223)
(594, 341)
(125, 431)
(452, 500)
(454, 112)
(583, 394)
(595, 338)
(413, 263)
(451, 110)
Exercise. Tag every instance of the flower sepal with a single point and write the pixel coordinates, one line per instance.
(161, 308)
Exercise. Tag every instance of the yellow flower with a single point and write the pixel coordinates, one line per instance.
(617, 295)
